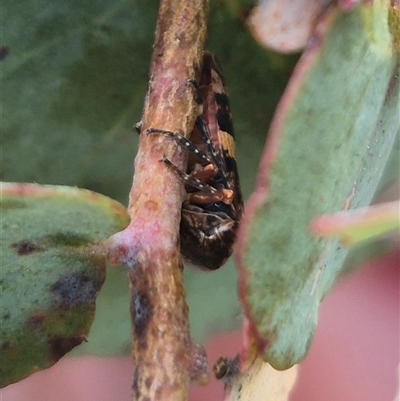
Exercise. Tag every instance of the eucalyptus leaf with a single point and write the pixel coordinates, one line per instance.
(53, 266)
(330, 139)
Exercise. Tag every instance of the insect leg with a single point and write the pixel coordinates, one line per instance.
(188, 179)
(181, 140)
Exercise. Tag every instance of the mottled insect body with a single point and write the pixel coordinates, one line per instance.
(214, 203)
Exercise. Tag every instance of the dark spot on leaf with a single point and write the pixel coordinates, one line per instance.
(4, 50)
(6, 316)
(26, 247)
(74, 290)
(59, 346)
(142, 310)
(392, 85)
(106, 29)
(67, 239)
(36, 320)
(5, 346)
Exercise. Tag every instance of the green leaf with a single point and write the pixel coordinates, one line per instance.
(329, 142)
(73, 84)
(53, 265)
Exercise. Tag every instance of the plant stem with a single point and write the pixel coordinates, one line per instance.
(165, 358)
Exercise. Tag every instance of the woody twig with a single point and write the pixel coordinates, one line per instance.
(165, 358)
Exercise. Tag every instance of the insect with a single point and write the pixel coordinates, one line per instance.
(214, 203)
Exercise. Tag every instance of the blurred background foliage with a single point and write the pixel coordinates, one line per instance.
(74, 77)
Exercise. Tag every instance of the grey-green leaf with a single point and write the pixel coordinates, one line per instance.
(329, 142)
(52, 267)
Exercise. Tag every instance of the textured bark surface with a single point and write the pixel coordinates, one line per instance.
(165, 359)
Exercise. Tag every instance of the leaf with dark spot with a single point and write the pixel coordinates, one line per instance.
(59, 346)
(26, 247)
(4, 50)
(73, 290)
(53, 266)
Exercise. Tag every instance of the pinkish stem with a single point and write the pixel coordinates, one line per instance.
(165, 359)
